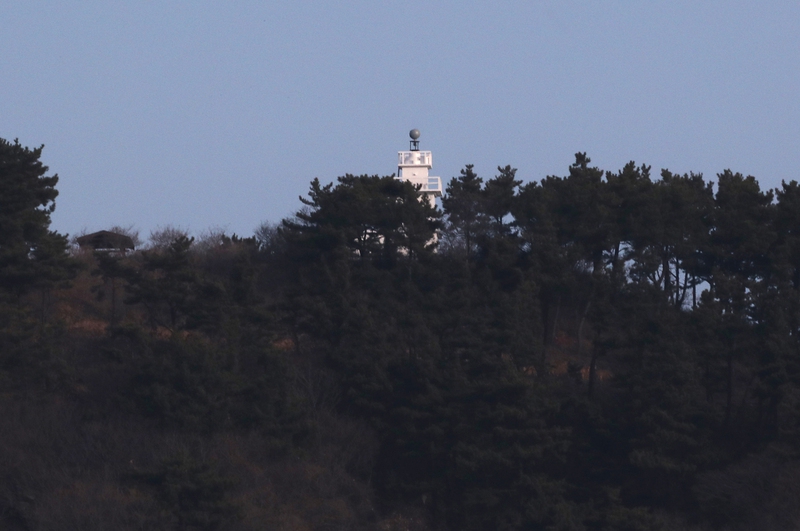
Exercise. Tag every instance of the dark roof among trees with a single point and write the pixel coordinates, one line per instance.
(105, 240)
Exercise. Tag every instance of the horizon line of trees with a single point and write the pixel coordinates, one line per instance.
(599, 351)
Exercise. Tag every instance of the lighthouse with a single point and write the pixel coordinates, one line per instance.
(413, 166)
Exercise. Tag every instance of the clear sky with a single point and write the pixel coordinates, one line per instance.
(218, 114)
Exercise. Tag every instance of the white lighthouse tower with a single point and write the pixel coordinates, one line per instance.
(413, 166)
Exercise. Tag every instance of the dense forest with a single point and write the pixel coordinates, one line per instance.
(598, 351)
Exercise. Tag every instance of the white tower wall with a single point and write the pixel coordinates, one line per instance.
(413, 166)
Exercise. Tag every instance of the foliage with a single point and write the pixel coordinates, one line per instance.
(193, 493)
(598, 351)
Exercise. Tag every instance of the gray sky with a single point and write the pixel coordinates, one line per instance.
(219, 114)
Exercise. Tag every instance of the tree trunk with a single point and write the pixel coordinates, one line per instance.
(555, 319)
(545, 308)
(113, 301)
(615, 266)
(580, 326)
(593, 369)
(729, 384)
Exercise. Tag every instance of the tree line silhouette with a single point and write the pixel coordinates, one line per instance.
(599, 351)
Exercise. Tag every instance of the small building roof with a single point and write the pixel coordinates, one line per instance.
(105, 240)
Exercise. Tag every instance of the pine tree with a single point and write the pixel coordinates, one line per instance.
(32, 257)
(165, 283)
(464, 208)
(30, 253)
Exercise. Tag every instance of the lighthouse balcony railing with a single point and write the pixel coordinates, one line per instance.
(427, 184)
